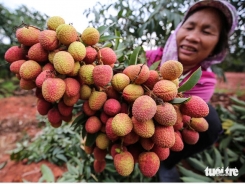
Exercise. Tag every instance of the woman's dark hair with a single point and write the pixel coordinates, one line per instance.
(223, 42)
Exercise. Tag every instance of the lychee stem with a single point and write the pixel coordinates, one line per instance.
(138, 73)
(25, 25)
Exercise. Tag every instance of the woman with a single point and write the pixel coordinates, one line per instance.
(200, 40)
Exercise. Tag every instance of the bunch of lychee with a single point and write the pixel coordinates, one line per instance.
(130, 112)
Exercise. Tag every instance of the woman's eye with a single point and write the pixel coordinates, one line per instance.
(206, 32)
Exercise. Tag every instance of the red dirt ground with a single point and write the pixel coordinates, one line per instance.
(18, 116)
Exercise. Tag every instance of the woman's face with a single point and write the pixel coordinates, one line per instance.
(198, 36)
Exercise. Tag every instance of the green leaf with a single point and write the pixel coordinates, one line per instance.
(191, 179)
(196, 164)
(179, 100)
(108, 37)
(189, 173)
(103, 29)
(61, 157)
(72, 169)
(238, 109)
(155, 65)
(192, 81)
(226, 159)
(237, 127)
(47, 174)
(217, 158)
(237, 101)
(134, 55)
(225, 142)
(90, 139)
(208, 159)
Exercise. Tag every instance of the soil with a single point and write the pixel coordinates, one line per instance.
(18, 117)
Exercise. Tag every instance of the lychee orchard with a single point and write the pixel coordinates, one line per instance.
(133, 113)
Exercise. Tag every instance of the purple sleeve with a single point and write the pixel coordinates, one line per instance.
(204, 87)
(153, 56)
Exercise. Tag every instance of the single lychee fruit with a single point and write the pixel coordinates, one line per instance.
(97, 100)
(130, 138)
(199, 124)
(179, 122)
(165, 114)
(162, 153)
(190, 136)
(43, 106)
(164, 136)
(121, 124)
(75, 70)
(195, 107)
(93, 124)
(77, 50)
(132, 91)
(43, 76)
(104, 117)
(143, 129)
(102, 75)
(63, 62)
(171, 70)
(53, 89)
(66, 34)
(48, 40)
(109, 132)
(108, 56)
(14, 53)
(29, 70)
(86, 109)
(71, 100)
(27, 84)
(15, 66)
(90, 36)
(146, 143)
(54, 117)
(64, 109)
(178, 145)
(86, 74)
(138, 74)
(72, 87)
(102, 141)
(85, 92)
(27, 36)
(165, 89)
(54, 21)
(48, 66)
(91, 55)
(120, 81)
(51, 55)
(144, 108)
(149, 163)
(152, 79)
(99, 165)
(37, 53)
(112, 107)
(124, 163)
(117, 148)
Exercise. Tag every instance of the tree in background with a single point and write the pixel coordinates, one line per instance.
(9, 21)
(150, 22)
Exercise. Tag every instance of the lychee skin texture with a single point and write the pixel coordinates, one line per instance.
(15, 66)
(120, 81)
(93, 124)
(42, 77)
(124, 163)
(27, 36)
(64, 109)
(54, 21)
(37, 53)
(112, 107)
(77, 50)
(196, 107)
(145, 129)
(91, 55)
(132, 91)
(121, 124)
(171, 70)
(165, 89)
(27, 84)
(30, 69)
(72, 87)
(166, 114)
(43, 106)
(90, 36)
(48, 40)
(162, 153)
(189, 136)
(97, 100)
(54, 117)
(138, 74)
(85, 92)
(178, 145)
(66, 34)
(149, 163)
(14, 53)
(86, 109)
(102, 141)
(152, 79)
(144, 108)
(164, 136)
(116, 149)
(146, 143)
(108, 56)
(102, 75)
(71, 100)
(53, 89)
(63, 62)
(86, 74)
(199, 124)
(99, 165)
(130, 138)
(109, 132)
